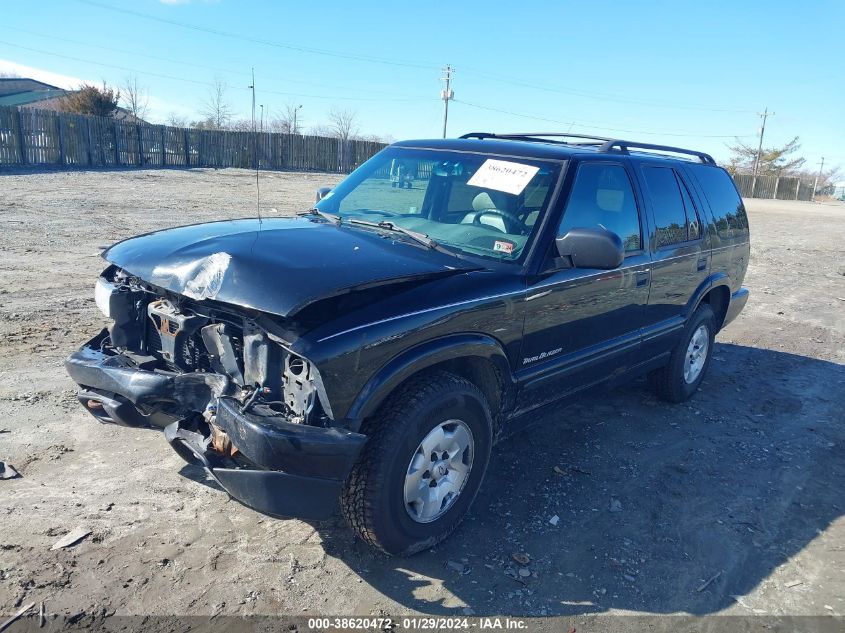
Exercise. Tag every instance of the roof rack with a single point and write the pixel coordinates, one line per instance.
(623, 147)
(529, 136)
(603, 144)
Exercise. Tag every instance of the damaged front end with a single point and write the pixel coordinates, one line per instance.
(232, 397)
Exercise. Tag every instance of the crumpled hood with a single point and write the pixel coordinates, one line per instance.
(277, 266)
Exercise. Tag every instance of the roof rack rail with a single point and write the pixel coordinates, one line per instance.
(623, 146)
(605, 145)
(528, 136)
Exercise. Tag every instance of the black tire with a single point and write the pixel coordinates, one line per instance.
(669, 382)
(373, 499)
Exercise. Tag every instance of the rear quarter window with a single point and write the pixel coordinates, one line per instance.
(725, 202)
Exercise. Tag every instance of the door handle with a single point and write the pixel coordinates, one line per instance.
(702, 263)
(642, 277)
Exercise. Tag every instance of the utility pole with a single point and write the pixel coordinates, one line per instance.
(254, 135)
(295, 110)
(816, 183)
(447, 95)
(252, 88)
(262, 117)
(764, 114)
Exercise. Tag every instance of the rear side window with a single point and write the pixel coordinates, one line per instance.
(674, 215)
(693, 223)
(727, 207)
(602, 196)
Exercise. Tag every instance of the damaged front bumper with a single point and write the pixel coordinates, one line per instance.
(282, 469)
(279, 468)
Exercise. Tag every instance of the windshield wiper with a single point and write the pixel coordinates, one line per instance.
(421, 238)
(331, 217)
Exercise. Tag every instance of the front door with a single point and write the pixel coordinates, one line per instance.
(583, 325)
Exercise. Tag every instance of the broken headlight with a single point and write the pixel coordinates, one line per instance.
(298, 385)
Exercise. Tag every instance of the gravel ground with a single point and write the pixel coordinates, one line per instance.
(731, 503)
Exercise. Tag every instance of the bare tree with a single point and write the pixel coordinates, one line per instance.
(288, 121)
(177, 120)
(322, 130)
(9, 74)
(217, 109)
(278, 124)
(826, 178)
(387, 139)
(242, 125)
(135, 97)
(343, 123)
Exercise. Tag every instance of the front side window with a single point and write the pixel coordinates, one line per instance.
(473, 203)
(674, 215)
(602, 196)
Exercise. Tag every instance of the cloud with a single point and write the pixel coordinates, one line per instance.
(55, 79)
(174, 1)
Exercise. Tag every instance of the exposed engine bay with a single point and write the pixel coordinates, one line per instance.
(165, 332)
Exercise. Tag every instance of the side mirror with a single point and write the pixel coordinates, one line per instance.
(322, 192)
(591, 248)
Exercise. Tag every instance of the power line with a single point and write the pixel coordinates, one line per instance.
(182, 62)
(573, 123)
(602, 96)
(407, 64)
(206, 83)
(257, 40)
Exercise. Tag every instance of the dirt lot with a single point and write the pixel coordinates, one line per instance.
(741, 487)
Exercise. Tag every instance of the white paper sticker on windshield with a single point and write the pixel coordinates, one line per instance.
(503, 175)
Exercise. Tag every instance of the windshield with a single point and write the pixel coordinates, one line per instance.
(474, 203)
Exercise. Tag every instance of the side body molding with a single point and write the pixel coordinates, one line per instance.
(428, 354)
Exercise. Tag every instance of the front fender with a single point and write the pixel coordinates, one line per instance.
(425, 355)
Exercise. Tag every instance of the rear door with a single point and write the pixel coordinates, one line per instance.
(680, 254)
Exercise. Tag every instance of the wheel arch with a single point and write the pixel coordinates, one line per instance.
(716, 292)
(479, 358)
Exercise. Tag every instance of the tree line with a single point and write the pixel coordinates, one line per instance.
(783, 161)
(215, 112)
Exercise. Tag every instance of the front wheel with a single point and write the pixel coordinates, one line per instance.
(423, 463)
(688, 364)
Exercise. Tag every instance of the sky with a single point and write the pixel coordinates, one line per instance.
(693, 74)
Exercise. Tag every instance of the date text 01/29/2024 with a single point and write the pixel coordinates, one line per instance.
(418, 623)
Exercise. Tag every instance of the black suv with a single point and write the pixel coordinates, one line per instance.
(372, 349)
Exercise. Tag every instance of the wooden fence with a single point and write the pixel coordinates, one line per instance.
(42, 137)
(774, 187)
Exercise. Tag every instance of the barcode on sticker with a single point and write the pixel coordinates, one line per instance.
(503, 247)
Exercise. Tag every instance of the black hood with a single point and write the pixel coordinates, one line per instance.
(278, 266)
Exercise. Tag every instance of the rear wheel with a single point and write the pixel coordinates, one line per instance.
(688, 364)
(424, 460)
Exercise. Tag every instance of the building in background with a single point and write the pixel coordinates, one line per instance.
(23, 92)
